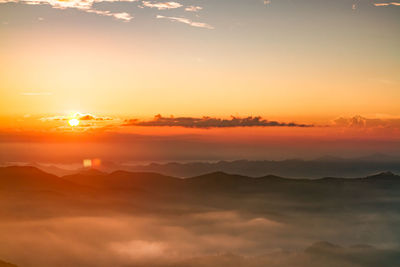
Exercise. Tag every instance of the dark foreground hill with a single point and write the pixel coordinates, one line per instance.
(6, 264)
(30, 179)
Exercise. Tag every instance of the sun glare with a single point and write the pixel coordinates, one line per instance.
(73, 122)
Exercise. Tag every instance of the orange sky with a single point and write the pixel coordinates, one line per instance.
(52, 139)
(332, 66)
(277, 64)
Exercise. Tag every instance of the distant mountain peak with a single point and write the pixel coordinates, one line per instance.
(217, 174)
(379, 157)
(23, 169)
(362, 246)
(92, 171)
(388, 173)
(322, 246)
(385, 174)
(329, 158)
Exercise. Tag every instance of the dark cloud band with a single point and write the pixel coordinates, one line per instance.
(209, 122)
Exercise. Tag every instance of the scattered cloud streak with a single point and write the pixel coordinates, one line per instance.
(121, 16)
(83, 5)
(162, 5)
(209, 122)
(387, 4)
(187, 21)
(193, 8)
(88, 7)
(79, 116)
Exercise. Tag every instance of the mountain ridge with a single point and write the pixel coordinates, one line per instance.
(23, 170)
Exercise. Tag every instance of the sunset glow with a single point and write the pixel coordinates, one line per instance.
(252, 80)
(201, 133)
(73, 122)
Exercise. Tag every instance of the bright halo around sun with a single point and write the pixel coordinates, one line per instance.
(73, 122)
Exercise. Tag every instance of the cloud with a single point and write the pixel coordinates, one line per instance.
(362, 122)
(208, 122)
(264, 230)
(88, 7)
(83, 5)
(88, 117)
(187, 21)
(387, 4)
(193, 8)
(162, 5)
(79, 116)
(122, 16)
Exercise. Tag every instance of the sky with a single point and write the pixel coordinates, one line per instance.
(230, 79)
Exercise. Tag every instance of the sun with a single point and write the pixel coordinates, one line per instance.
(73, 122)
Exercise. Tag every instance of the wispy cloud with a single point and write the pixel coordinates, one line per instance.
(187, 21)
(387, 4)
(88, 6)
(162, 5)
(208, 122)
(83, 5)
(193, 8)
(122, 16)
(79, 116)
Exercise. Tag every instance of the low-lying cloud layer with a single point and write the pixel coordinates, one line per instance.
(205, 239)
(209, 122)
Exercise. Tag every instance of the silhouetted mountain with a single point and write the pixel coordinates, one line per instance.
(322, 167)
(330, 159)
(317, 255)
(54, 169)
(90, 172)
(359, 255)
(30, 178)
(322, 246)
(35, 186)
(123, 180)
(326, 166)
(378, 157)
(384, 175)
